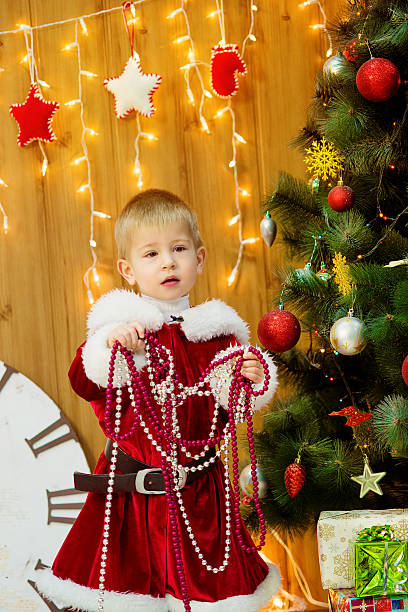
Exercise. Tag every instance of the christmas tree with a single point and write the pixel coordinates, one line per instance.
(340, 439)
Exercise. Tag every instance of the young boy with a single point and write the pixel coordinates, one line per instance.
(160, 251)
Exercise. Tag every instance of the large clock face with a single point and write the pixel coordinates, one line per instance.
(39, 451)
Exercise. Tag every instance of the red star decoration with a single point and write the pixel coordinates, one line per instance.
(34, 117)
(356, 418)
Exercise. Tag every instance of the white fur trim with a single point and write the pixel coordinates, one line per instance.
(207, 320)
(65, 593)
(211, 319)
(96, 356)
(222, 376)
(239, 603)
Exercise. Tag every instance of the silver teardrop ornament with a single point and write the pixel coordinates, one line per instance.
(268, 229)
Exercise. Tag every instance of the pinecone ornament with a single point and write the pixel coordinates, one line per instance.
(295, 476)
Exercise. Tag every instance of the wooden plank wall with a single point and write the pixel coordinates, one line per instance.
(43, 304)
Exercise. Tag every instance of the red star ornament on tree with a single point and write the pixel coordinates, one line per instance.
(133, 89)
(34, 117)
(226, 62)
(355, 418)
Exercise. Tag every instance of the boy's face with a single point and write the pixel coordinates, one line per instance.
(158, 253)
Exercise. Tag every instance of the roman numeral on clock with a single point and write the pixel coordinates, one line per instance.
(52, 518)
(9, 371)
(71, 435)
(50, 605)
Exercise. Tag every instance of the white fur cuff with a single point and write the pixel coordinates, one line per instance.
(221, 380)
(96, 356)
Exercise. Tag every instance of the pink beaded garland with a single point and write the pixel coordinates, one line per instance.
(170, 442)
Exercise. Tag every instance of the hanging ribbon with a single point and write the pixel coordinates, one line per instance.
(131, 32)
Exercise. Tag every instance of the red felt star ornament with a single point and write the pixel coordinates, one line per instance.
(355, 418)
(34, 117)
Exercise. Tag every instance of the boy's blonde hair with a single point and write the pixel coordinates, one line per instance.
(153, 207)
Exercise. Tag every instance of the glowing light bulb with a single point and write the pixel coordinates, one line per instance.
(180, 39)
(190, 97)
(140, 183)
(174, 13)
(78, 160)
(92, 243)
(207, 94)
(24, 60)
(69, 46)
(213, 14)
(82, 188)
(96, 276)
(83, 26)
(90, 75)
(191, 55)
(72, 102)
(252, 37)
(44, 166)
(204, 125)
(2, 183)
(221, 112)
(43, 84)
(133, 10)
(329, 52)
(250, 240)
(232, 163)
(5, 224)
(149, 136)
(277, 602)
(137, 170)
(91, 132)
(234, 220)
(239, 138)
(254, 7)
(102, 215)
(231, 278)
(90, 297)
(244, 192)
(318, 26)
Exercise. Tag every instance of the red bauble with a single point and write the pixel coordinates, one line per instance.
(295, 476)
(226, 62)
(341, 198)
(405, 370)
(378, 79)
(351, 49)
(278, 330)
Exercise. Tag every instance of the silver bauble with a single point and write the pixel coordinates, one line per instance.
(268, 229)
(245, 481)
(347, 335)
(334, 65)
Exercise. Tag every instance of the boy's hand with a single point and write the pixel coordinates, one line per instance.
(131, 336)
(252, 368)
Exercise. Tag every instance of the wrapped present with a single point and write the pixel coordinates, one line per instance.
(346, 600)
(337, 533)
(381, 563)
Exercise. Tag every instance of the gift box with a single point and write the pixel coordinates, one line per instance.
(381, 563)
(337, 533)
(346, 600)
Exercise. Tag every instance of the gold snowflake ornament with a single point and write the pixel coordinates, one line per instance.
(341, 274)
(323, 161)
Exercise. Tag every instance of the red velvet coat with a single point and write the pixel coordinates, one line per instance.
(141, 568)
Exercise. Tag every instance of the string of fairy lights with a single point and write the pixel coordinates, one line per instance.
(194, 66)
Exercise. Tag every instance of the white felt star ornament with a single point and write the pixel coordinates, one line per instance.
(369, 480)
(133, 89)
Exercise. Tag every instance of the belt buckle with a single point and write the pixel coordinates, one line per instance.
(140, 479)
(182, 479)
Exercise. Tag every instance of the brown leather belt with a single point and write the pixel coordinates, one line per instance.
(137, 476)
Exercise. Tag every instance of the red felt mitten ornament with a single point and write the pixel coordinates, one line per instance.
(226, 62)
(34, 117)
(295, 477)
(405, 370)
(278, 330)
(341, 198)
(378, 79)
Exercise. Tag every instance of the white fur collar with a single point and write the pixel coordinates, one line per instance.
(207, 320)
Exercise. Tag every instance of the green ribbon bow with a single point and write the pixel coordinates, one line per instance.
(384, 533)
